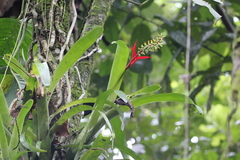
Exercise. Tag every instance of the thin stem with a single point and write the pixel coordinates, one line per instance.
(187, 86)
(70, 30)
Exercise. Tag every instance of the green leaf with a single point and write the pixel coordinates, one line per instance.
(16, 66)
(3, 141)
(138, 32)
(122, 95)
(68, 115)
(119, 134)
(9, 28)
(101, 100)
(4, 109)
(118, 67)
(44, 73)
(119, 111)
(28, 145)
(16, 157)
(107, 122)
(23, 113)
(145, 90)
(18, 127)
(111, 31)
(42, 116)
(68, 105)
(97, 148)
(7, 82)
(74, 54)
(173, 97)
(18, 83)
(179, 37)
(128, 151)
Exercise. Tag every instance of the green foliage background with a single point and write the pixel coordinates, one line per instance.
(157, 130)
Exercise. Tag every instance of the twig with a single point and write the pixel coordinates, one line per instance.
(70, 30)
(89, 54)
(82, 88)
(187, 85)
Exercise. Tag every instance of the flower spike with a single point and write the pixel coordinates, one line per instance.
(135, 56)
(151, 45)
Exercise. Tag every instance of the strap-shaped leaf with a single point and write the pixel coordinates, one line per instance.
(118, 67)
(28, 145)
(18, 127)
(172, 97)
(74, 54)
(16, 66)
(3, 141)
(145, 90)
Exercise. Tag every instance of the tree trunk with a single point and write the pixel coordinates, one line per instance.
(96, 17)
(51, 22)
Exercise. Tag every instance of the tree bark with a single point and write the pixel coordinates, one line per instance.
(96, 17)
(51, 22)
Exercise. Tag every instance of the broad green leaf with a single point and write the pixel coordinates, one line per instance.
(74, 53)
(23, 113)
(145, 90)
(44, 73)
(118, 67)
(111, 31)
(7, 82)
(165, 20)
(3, 141)
(97, 148)
(70, 104)
(16, 66)
(18, 127)
(173, 97)
(18, 84)
(42, 117)
(121, 95)
(119, 133)
(16, 157)
(107, 121)
(68, 115)
(4, 109)
(179, 37)
(127, 150)
(9, 28)
(138, 32)
(25, 143)
(101, 100)
(119, 111)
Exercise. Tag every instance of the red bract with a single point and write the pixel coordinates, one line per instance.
(135, 56)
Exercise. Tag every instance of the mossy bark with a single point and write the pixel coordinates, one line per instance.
(51, 20)
(96, 17)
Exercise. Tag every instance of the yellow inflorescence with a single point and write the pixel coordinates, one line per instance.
(152, 45)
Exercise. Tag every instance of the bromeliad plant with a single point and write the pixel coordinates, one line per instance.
(33, 136)
(151, 45)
